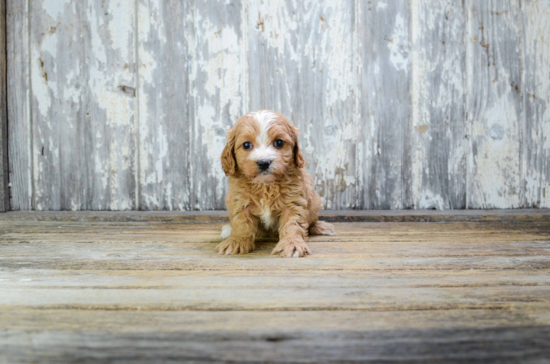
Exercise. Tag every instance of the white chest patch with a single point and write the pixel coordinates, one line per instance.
(266, 215)
(267, 218)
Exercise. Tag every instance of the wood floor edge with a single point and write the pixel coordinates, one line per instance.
(519, 215)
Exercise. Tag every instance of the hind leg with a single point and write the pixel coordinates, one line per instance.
(226, 231)
(322, 228)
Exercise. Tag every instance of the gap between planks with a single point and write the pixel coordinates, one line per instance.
(520, 215)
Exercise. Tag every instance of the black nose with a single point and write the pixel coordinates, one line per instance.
(263, 164)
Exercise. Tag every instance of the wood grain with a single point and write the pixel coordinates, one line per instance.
(536, 15)
(85, 107)
(495, 104)
(439, 135)
(486, 336)
(408, 104)
(384, 152)
(217, 98)
(56, 104)
(164, 132)
(268, 279)
(302, 62)
(141, 291)
(278, 299)
(109, 108)
(360, 247)
(516, 215)
(4, 166)
(19, 117)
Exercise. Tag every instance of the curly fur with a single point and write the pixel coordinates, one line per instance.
(280, 201)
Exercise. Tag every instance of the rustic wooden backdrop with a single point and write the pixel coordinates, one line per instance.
(124, 104)
(4, 171)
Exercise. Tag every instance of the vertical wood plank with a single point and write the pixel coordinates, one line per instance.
(495, 104)
(303, 64)
(56, 107)
(82, 104)
(386, 105)
(164, 125)
(19, 121)
(217, 96)
(439, 134)
(4, 170)
(109, 104)
(536, 19)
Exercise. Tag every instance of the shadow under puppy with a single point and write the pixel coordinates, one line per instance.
(270, 192)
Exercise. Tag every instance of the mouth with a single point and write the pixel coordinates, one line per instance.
(264, 176)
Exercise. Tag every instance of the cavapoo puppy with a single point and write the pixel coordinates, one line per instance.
(270, 193)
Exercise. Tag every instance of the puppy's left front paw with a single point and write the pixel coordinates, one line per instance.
(288, 248)
(322, 228)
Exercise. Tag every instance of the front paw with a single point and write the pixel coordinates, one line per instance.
(322, 228)
(289, 248)
(232, 246)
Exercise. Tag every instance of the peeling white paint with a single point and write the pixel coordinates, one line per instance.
(163, 171)
(311, 41)
(429, 201)
(311, 74)
(437, 97)
(215, 75)
(41, 90)
(148, 64)
(54, 8)
(536, 24)
(399, 45)
(496, 169)
(498, 160)
(307, 135)
(273, 22)
(121, 20)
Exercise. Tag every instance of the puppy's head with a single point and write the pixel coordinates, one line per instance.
(262, 146)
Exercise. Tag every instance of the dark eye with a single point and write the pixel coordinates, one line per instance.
(247, 145)
(278, 143)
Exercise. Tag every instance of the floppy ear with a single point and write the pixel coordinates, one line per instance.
(229, 163)
(298, 157)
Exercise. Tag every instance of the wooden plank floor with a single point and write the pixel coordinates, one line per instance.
(126, 288)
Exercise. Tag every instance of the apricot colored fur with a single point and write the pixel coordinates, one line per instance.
(281, 202)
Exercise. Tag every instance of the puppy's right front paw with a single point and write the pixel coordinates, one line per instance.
(232, 246)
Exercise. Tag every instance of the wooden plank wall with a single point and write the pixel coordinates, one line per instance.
(123, 105)
(4, 180)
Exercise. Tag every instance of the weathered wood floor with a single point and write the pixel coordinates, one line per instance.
(102, 288)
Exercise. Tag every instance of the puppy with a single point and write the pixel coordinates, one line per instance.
(270, 193)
